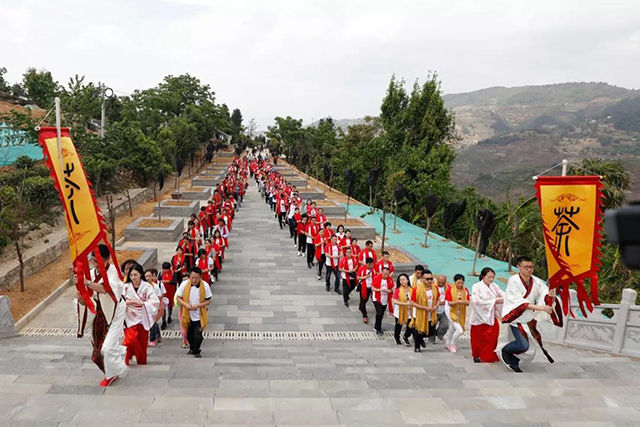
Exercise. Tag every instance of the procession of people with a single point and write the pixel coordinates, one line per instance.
(431, 309)
(426, 309)
(133, 306)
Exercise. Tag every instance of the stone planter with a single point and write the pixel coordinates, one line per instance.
(135, 233)
(331, 208)
(298, 182)
(178, 211)
(212, 172)
(226, 154)
(313, 195)
(148, 259)
(362, 231)
(206, 180)
(407, 268)
(190, 193)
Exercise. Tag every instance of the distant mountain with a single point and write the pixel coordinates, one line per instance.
(488, 112)
(510, 134)
(342, 123)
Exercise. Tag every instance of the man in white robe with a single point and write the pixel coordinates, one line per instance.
(108, 352)
(527, 301)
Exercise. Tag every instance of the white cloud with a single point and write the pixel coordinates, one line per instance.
(312, 59)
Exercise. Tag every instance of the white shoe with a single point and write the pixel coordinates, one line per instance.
(319, 277)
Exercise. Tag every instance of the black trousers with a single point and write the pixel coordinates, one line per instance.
(292, 230)
(281, 219)
(363, 302)
(407, 331)
(347, 288)
(419, 337)
(302, 243)
(311, 251)
(323, 259)
(154, 332)
(194, 336)
(380, 309)
(327, 278)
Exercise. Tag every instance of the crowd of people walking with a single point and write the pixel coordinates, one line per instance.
(145, 302)
(429, 307)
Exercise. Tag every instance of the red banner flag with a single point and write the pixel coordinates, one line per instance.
(85, 223)
(571, 210)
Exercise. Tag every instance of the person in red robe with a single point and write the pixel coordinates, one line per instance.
(348, 266)
(382, 287)
(311, 230)
(332, 258)
(368, 252)
(345, 242)
(364, 276)
(385, 262)
(167, 279)
(301, 226)
(355, 249)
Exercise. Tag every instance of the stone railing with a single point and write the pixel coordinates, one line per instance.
(619, 333)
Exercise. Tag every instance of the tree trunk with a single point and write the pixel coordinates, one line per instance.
(475, 258)
(426, 234)
(129, 202)
(395, 217)
(516, 227)
(21, 262)
(371, 197)
(384, 227)
(112, 220)
(159, 211)
(347, 211)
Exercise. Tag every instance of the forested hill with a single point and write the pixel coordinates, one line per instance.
(509, 134)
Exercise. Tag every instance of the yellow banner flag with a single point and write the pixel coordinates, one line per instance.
(571, 210)
(83, 224)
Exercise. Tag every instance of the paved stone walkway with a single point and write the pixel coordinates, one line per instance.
(50, 381)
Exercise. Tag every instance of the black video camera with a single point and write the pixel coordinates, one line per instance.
(623, 229)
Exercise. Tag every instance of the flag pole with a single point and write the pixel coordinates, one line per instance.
(59, 133)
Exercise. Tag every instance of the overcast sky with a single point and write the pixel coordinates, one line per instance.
(311, 59)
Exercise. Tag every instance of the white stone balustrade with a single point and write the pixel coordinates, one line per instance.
(618, 334)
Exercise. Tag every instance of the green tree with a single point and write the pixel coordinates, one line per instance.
(40, 87)
(236, 122)
(615, 179)
(4, 85)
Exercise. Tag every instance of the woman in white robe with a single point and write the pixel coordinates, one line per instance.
(486, 309)
(142, 308)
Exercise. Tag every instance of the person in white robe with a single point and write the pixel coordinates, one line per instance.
(142, 308)
(108, 322)
(486, 313)
(527, 301)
